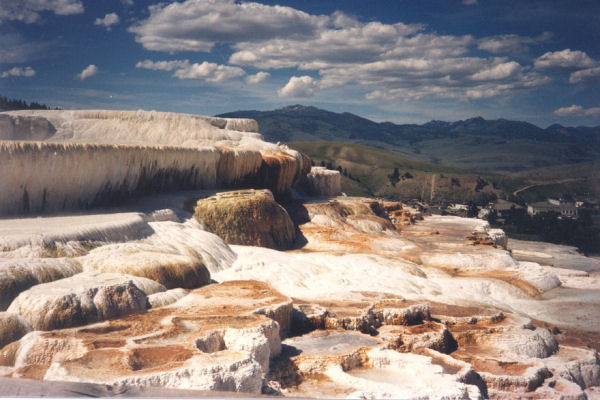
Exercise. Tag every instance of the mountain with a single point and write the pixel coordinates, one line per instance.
(476, 144)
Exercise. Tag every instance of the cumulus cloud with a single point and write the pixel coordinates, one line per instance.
(209, 72)
(257, 78)
(196, 25)
(578, 111)
(392, 60)
(298, 86)
(28, 11)
(566, 58)
(108, 20)
(386, 60)
(90, 70)
(499, 71)
(585, 75)
(163, 65)
(340, 19)
(26, 72)
(510, 43)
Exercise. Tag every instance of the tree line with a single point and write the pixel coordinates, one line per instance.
(7, 104)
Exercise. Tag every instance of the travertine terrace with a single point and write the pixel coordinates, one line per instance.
(362, 299)
(63, 160)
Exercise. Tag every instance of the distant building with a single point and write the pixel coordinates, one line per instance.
(503, 207)
(559, 202)
(458, 207)
(562, 207)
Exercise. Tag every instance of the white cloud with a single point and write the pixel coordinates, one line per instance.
(210, 72)
(469, 2)
(28, 11)
(298, 86)
(90, 70)
(585, 75)
(499, 71)
(343, 20)
(569, 111)
(510, 43)
(26, 72)
(108, 20)
(162, 65)
(196, 25)
(394, 60)
(564, 59)
(578, 111)
(257, 78)
(127, 3)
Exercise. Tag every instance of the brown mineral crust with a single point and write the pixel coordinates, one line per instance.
(397, 214)
(8, 354)
(277, 171)
(356, 243)
(455, 311)
(510, 277)
(422, 328)
(161, 338)
(110, 343)
(306, 164)
(491, 365)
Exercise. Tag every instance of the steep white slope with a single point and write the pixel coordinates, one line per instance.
(61, 160)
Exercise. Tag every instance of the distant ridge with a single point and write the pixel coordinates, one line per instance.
(499, 145)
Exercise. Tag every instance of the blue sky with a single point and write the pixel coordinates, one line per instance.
(393, 60)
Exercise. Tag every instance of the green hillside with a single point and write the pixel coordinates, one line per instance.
(368, 171)
(572, 180)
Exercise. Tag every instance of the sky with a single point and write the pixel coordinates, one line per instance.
(387, 60)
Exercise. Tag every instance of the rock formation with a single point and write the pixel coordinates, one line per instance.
(12, 327)
(208, 340)
(374, 300)
(249, 217)
(323, 182)
(83, 299)
(17, 274)
(187, 152)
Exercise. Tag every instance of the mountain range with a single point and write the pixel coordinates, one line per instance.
(475, 144)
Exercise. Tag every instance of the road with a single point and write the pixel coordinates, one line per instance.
(516, 192)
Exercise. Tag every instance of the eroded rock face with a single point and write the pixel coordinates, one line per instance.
(208, 340)
(147, 261)
(279, 169)
(25, 128)
(83, 299)
(17, 275)
(12, 327)
(162, 299)
(323, 182)
(139, 152)
(248, 217)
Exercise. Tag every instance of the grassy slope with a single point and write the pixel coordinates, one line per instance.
(372, 166)
(581, 179)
